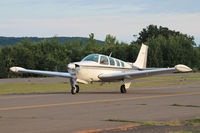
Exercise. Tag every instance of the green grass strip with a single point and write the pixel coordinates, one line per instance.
(192, 122)
(64, 87)
(193, 131)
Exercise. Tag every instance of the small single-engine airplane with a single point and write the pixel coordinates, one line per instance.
(102, 68)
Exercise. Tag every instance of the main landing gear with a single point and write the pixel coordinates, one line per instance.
(123, 89)
(125, 86)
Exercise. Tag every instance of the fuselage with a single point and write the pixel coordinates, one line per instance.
(90, 67)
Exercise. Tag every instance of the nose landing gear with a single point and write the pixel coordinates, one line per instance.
(75, 89)
(74, 86)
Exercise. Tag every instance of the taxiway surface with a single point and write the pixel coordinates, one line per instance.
(63, 112)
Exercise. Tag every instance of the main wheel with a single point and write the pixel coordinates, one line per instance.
(74, 90)
(123, 89)
(77, 88)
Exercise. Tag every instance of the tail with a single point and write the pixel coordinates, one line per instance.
(141, 61)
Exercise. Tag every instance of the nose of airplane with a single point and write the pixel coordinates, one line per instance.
(71, 66)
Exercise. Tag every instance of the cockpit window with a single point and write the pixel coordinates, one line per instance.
(112, 61)
(104, 60)
(118, 64)
(92, 57)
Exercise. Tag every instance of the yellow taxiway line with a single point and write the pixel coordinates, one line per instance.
(96, 101)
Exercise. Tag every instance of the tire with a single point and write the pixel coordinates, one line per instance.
(123, 89)
(77, 88)
(74, 90)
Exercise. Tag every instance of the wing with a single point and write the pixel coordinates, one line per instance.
(140, 74)
(49, 73)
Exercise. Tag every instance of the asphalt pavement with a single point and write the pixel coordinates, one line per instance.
(90, 109)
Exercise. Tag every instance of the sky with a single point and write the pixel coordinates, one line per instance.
(79, 18)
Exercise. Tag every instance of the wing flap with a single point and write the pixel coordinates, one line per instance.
(49, 73)
(134, 74)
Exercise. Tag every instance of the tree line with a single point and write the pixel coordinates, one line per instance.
(14, 40)
(166, 49)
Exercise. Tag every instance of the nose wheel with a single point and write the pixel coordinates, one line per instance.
(75, 89)
(123, 89)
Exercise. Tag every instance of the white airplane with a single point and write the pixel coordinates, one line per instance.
(102, 68)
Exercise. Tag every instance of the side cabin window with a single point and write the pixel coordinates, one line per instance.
(104, 60)
(122, 64)
(92, 57)
(112, 61)
(118, 63)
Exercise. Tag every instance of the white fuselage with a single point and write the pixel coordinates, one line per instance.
(88, 71)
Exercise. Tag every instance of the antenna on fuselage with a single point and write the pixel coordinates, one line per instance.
(110, 54)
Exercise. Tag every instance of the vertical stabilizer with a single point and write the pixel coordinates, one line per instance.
(141, 61)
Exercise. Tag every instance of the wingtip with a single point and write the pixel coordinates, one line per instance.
(16, 69)
(183, 68)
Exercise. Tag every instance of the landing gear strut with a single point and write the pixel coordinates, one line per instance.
(77, 88)
(74, 87)
(123, 89)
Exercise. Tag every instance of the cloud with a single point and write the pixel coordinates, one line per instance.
(81, 17)
(123, 27)
(63, 8)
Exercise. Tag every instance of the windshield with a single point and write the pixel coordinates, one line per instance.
(92, 57)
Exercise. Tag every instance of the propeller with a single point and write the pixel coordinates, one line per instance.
(73, 68)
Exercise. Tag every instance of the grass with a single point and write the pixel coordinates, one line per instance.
(63, 87)
(184, 77)
(180, 105)
(193, 131)
(195, 120)
(150, 123)
(192, 122)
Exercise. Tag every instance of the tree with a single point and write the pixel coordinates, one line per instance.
(155, 53)
(111, 45)
(167, 48)
(110, 40)
(75, 50)
(154, 31)
(91, 45)
(169, 52)
(6, 61)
